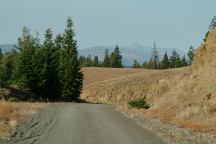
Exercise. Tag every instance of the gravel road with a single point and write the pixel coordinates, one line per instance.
(81, 124)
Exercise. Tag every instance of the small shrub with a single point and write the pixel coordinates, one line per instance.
(13, 99)
(139, 103)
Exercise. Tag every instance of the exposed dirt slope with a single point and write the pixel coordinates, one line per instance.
(185, 96)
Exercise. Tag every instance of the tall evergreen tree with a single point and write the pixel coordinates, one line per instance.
(58, 42)
(83, 61)
(165, 64)
(136, 64)
(154, 61)
(50, 72)
(178, 62)
(106, 61)
(184, 61)
(89, 61)
(116, 58)
(70, 71)
(190, 55)
(173, 58)
(96, 61)
(25, 74)
(7, 66)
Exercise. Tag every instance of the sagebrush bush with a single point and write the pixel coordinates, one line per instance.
(139, 103)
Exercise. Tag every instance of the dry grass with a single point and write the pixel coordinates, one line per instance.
(177, 96)
(94, 75)
(12, 114)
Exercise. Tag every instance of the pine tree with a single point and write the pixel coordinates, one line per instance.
(173, 58)
(89, 62)
(213, 24)
(58, 42)
(70, 71)
(7, 68)
(25, 75)
(116, 58)
(136, 64)
(184, 61)
(106, 61)
(96, 61)
(50, 71)
(165, 64)
(190, 55)
(178, 62)
(83, 61)
(154, 61)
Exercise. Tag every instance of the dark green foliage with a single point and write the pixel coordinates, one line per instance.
(165, 64)
(25, 72)
(51, 70)
(82, 61)
(178, 62)
(88, 62)
(136, 64)
(71, 76)
(13, 99)
(145, 65)
(212, 24)
(49, 78)
(206, 35)
(139, 103)
(116, 58)
(184, 61)
(173, 59)
(154, 61)
(7, 67)
(96, 61)
(190, 55)
(106, 62)
(58, 42)
(1, 54)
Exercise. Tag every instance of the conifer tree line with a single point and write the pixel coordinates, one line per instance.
(89, 62)
(172, 61)
(113, 60)
(50, 69)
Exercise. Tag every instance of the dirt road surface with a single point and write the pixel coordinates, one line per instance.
(81, 124)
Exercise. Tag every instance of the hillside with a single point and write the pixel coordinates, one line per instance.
(185, 97)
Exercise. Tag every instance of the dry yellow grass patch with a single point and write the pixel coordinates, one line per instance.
(12, 114)
(94, 75)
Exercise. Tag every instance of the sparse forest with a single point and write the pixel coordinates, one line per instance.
(172, 61)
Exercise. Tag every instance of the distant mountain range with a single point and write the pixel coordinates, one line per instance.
(129, 53)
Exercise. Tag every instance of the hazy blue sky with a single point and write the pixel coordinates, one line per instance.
(170, 23)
